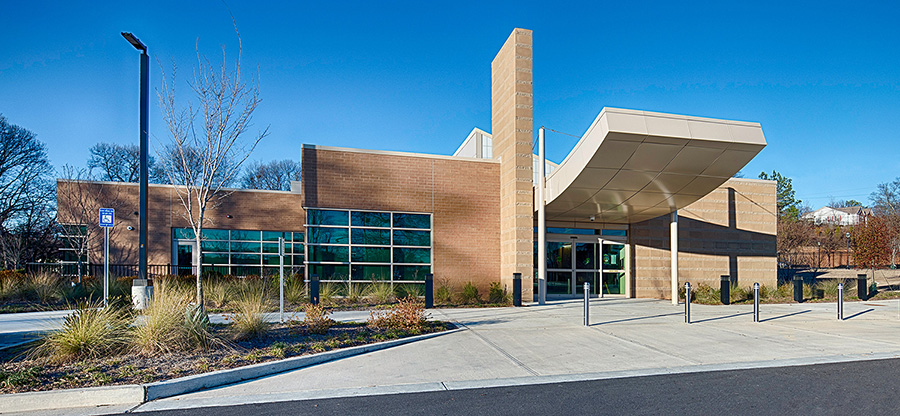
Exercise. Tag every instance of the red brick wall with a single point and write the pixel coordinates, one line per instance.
(78, 202)
(461, 194)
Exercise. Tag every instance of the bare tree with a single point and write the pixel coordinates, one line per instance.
(886, 205)
(208, 142)
(120, 163)
(24, 170)
(274, 176)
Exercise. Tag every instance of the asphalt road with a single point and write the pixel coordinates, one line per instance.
(861, 388)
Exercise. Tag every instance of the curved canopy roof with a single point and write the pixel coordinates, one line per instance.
(632, 166)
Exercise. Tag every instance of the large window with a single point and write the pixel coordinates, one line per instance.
(368, 245)
(240, 252)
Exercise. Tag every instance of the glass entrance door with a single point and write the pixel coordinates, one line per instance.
(184, 259)
(572, 263)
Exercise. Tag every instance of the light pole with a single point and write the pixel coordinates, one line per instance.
(848, 250)
(819, 256)
(142, 210)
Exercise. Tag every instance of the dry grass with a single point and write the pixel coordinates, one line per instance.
(380, 293)
(89, 332)
(162, 327)
(408, 314)
(248, 320)
(316, 319)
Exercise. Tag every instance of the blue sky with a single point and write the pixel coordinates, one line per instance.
(823, 78)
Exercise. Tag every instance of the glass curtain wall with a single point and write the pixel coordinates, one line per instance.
(367, 246)
(244, 252)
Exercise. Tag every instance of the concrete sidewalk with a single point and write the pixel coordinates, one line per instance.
(541, 344)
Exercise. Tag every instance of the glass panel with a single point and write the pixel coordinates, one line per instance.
(371, 237)
(329, 271)
(372, 254)
(185, 258)
(244, 271)
(559, 255)
(298, 260)
(621, 233)
(184, 233)
(273, 248)
(411, 272)
(579, 231)
(328, 253)
(298, 237)
(245, 259)
(214, 258)
(325, 217)
(327, 235)
(613, 283)
(412, 221)
(412, 238)
(612, 256)
(370, 219)
(590, 277)
(369, 272)
(273, 260)
(412, 255)
(559, 283)
(244, 247)
(213, 245)
(223, 270)
(586, 255)
(273, 235)
(214, 234)
(298, 248)
(244, 235)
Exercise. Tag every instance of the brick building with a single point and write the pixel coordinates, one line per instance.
(644, 201)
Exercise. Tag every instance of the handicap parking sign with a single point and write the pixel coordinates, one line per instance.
(107, 217)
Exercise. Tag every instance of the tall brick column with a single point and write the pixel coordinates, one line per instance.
(511, 114)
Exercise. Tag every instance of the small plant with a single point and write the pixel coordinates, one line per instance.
(316, 319)
(20, 378)
(278, 349)
(248, 320)
(161, 328)
(469, 294)
(216, 292)
(45, 286)
(408, 314)
(355, 293)
(295, 290)
(327, 293)
(89, 332)
(380, 293)
(498, 294)
(442, 295)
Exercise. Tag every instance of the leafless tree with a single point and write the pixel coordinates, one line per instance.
(274, 176)
(886, 205)
(121, 163)
(208, 140)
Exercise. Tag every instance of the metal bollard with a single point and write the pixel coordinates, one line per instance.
(840, 302)
(587, 304)
(517, 289)
(798, 289)
(725, 289)
(862, 288)
(756, 302)
(687, 302)
(429, 291)
(314, 289)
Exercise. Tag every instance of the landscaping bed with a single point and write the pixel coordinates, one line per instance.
(291, 339)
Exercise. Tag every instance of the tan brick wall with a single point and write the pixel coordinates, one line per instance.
(511, 117)
(250, 210)
(461, 195)
(730, 231)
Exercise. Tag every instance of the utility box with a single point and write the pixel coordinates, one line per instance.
(141, 293)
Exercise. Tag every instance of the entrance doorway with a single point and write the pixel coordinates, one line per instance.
(185, 258)
(585, 259)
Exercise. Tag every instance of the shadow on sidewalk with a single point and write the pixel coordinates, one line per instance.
(722, 317)
(783, 316)
(638, 318)
(858, 314)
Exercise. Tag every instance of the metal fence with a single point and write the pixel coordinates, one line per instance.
(124, 270)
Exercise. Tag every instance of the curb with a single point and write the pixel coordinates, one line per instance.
(142, 393)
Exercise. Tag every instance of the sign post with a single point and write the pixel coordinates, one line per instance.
(107, 220)
(281, 278)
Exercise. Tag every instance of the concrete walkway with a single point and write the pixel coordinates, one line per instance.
(542, 344)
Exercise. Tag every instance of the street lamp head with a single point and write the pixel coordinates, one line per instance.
(134, 41)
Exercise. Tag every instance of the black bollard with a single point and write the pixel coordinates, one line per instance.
(687, 302)
(429, 291)
(862, 288)
(725, 289)
(517, 289)
(314, 289)
(798, 289)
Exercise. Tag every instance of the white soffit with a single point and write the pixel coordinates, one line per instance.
(632, 166)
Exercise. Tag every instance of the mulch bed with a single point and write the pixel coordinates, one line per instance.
(20, 374)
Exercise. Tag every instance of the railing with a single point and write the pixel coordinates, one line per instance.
(124, 270)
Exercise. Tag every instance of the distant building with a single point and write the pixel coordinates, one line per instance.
(838, 216)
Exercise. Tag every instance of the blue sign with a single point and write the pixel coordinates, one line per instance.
(107, 217)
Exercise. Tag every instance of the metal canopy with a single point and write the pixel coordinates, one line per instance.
(632, 166)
